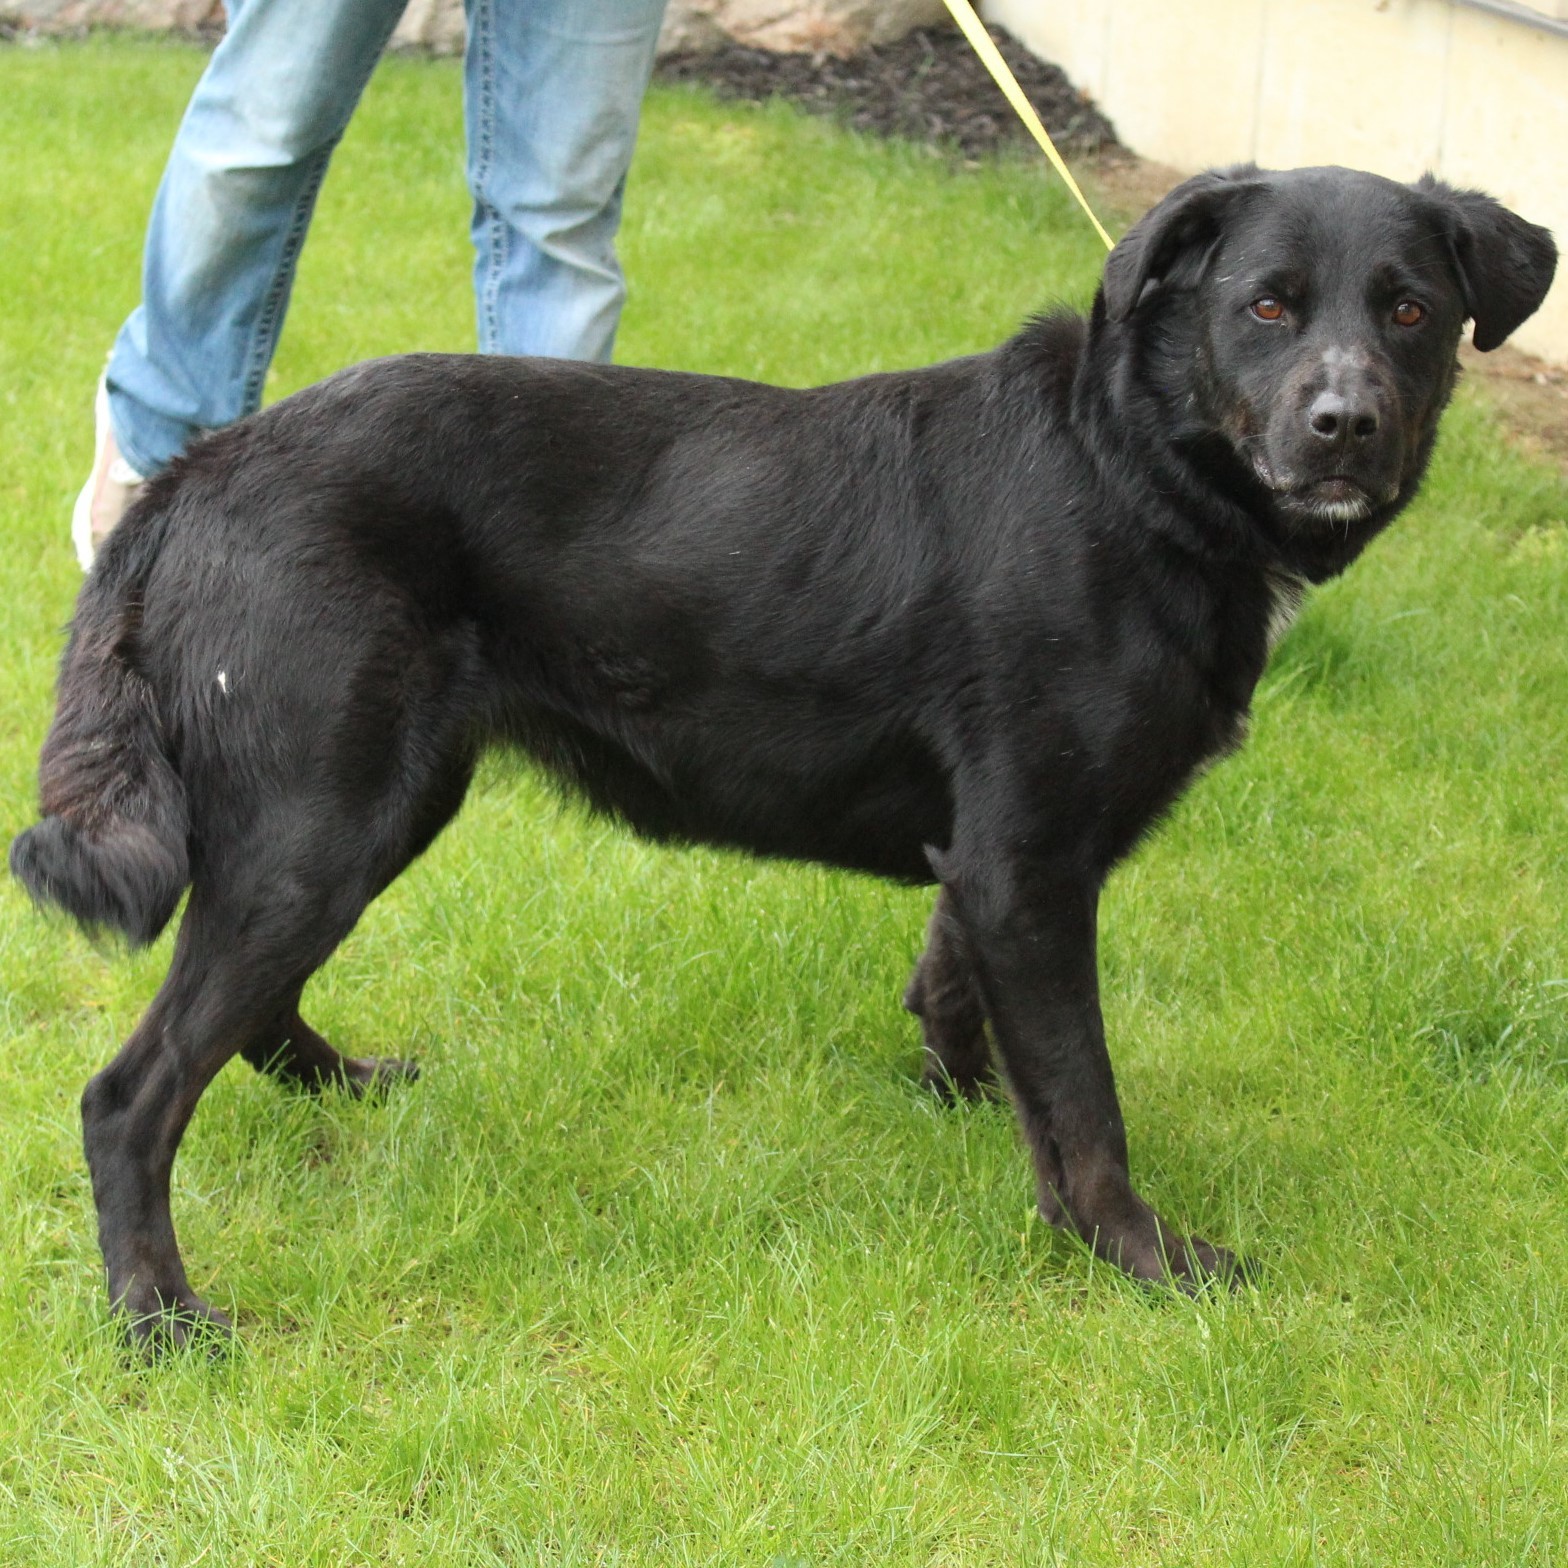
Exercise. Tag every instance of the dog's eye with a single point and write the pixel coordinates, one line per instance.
(1407, 313)
(1267, 308)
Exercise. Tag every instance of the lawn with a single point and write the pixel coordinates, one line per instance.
(666, 1259)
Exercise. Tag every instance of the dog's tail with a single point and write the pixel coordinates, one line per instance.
(111, 849)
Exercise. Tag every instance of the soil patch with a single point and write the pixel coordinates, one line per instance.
(1530, 398)
(928, 87)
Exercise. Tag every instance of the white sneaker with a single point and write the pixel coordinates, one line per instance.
(110, 488)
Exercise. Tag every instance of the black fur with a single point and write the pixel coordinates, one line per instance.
(979, 622)
(111, 849)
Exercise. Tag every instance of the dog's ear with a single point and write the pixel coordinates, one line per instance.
(1181, 228)
(1505, 264)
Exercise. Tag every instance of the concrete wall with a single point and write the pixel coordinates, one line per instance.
(1396, 86)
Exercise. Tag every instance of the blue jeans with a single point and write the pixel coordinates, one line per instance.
(552, 91)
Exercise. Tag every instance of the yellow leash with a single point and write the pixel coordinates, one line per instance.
(991, 57)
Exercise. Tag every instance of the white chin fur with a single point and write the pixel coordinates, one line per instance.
(1336, 511)
(1303, 506)
(1349, 510)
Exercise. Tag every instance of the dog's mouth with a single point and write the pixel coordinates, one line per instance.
(1337, 499)
(1332, 498)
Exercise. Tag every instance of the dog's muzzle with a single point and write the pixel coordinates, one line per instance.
(1331, 454)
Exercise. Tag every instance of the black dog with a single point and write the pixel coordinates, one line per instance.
(976, 624)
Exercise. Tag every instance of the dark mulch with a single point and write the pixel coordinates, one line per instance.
(929, 87)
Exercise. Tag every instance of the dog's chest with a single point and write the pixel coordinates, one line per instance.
(1192, 705)
(1254, 622)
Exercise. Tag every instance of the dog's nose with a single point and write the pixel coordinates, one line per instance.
(1336, 417)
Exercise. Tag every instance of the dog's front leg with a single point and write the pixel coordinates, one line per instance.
(1031, 933)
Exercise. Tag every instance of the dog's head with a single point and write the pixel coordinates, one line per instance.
(1310, 319)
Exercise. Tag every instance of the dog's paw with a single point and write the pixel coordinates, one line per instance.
(376, 1075)
(1190, 1265)
(157, 1324)
(1196, 1265)
(950, 1087)
(1140, 1243)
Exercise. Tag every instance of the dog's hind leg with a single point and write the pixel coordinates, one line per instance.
(291, 1050)
(238, 964)
(296, 1055)
(945, 996)
(260, 921)
(250, 938)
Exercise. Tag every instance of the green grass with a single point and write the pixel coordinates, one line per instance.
(666, 1260)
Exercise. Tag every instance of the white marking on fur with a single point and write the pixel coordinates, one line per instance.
(1341, 511)
(1287, 592)
(223, 682)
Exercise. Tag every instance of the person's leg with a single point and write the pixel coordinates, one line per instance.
(230, 217)
(552, 93)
